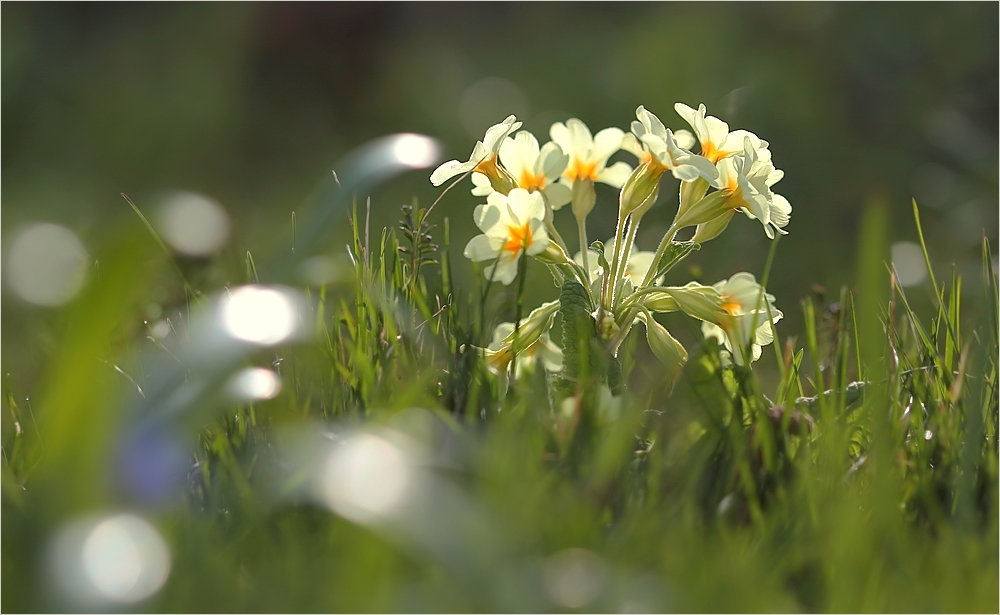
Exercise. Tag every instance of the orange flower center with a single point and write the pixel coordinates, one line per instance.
(531, 182)
(730, 306)
(499, 178)
(708, 150)
(487, 166)
(581, 169)
(735, 199)
(518, 238)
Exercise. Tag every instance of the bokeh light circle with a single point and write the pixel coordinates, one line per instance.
(259, 315)
(365, 479)
(908, 261)
(574, 578)
(193, 224)
(46, 264)
(416, 151)
(99, 562)
(255, 383)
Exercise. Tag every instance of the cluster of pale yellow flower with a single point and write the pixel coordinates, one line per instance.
(524, 185)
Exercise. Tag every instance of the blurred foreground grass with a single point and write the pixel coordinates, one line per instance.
(393, 472)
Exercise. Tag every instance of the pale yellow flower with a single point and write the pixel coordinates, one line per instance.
(512, 225)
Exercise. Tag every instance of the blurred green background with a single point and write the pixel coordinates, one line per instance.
(254, 104)
(251, 104)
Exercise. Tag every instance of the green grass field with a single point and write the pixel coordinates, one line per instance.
(855, 469)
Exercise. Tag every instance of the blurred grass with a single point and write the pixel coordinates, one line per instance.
(863, 486)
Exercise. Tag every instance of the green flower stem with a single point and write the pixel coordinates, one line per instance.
(556, 273)
(607, 288)
(551, 228)
(522, 271)
(660, 249)
(619, 277)
(626, 326)
(581, 224)
(619, 337)
(634, 297)
(579, 272)
(568, 264)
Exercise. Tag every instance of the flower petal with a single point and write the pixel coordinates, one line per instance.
(550, 354)
(481, 248)
(734, 142)
(686, 172)
(557, 195)
(481, 185)
(498, 200)
(687, 113)
(606, 143)
(511, 159)
(580, 138)
(684, 139)
(527, 146)
(525, 205)
(781, 212)
(448, 170)
(615, 175)
(560, 134)
(638, 265)
(487, 216)
(503, 271)
(715, 332)
(552, 161)
(655, 125)
(498, 132)
(539, 237)
(500, 333)
(717, 131)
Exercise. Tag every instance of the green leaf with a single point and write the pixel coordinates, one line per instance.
(585, 359)
(675, 253)
(601, 259)
(578, 328)
(702, 385)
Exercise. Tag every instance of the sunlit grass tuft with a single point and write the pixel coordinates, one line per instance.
(864, 480)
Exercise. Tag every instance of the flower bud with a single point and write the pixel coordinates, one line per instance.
(704, 210)
(701, 302)
(526, 341)
(498, 361)
(553, 255)
(607, 328)
(667, 349)
(692, 192)
(584, 197)
(660, 302)
(713, 228)
(641, 189)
